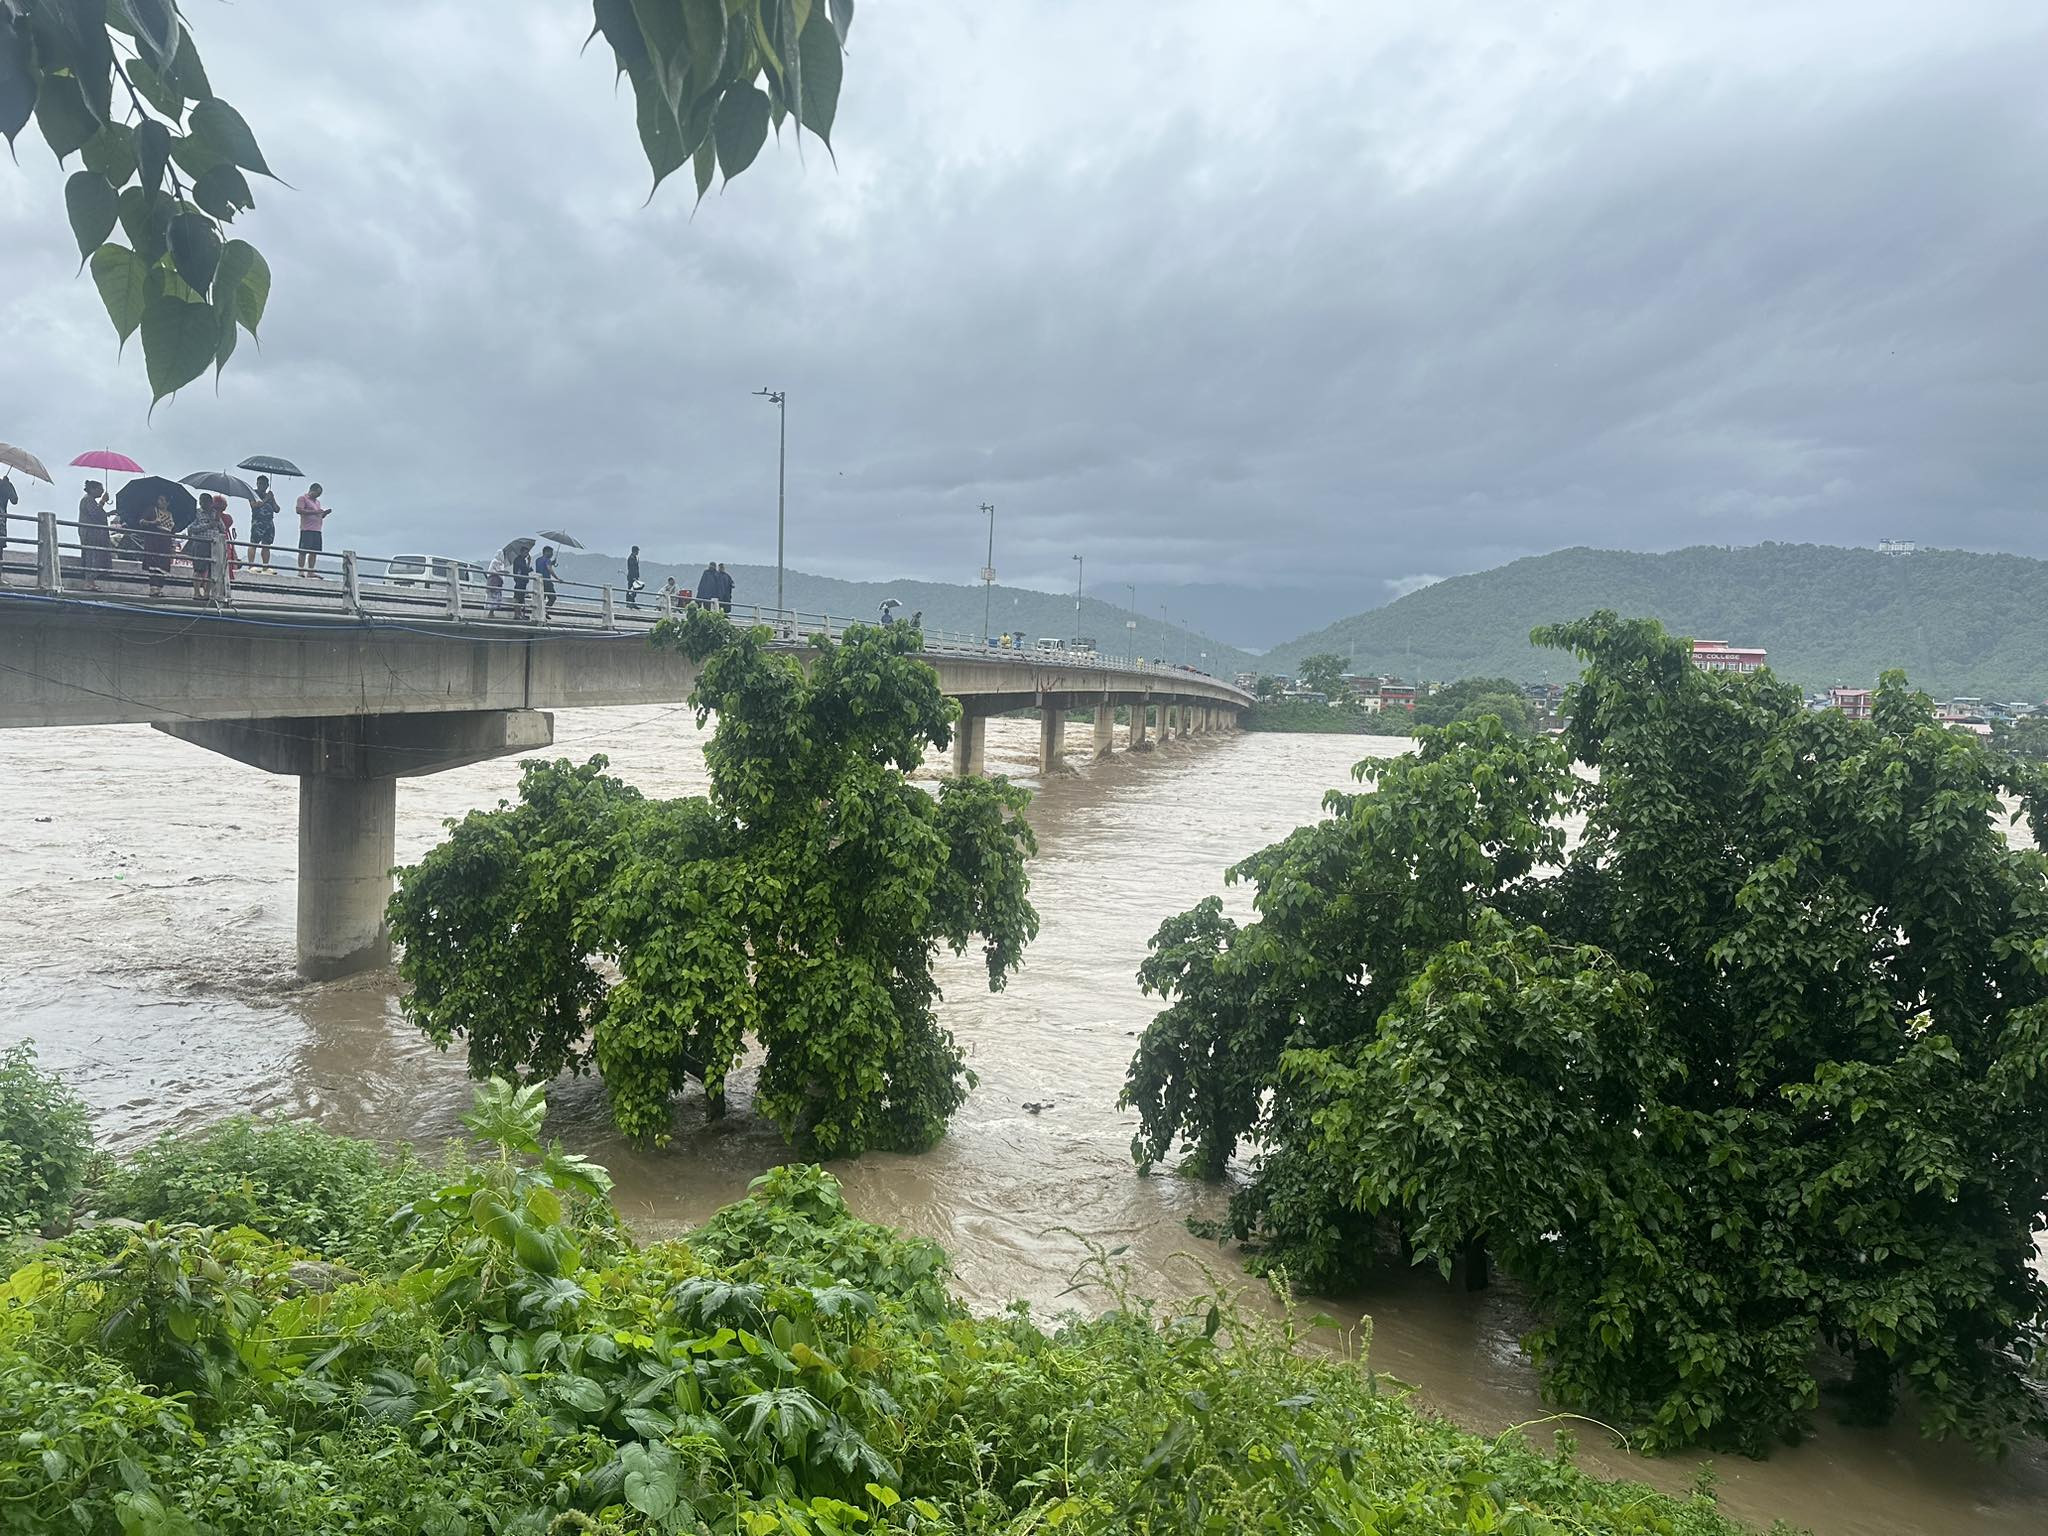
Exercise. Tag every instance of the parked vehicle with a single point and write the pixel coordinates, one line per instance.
(1050, 646)
(1082, 648)
(431, 571)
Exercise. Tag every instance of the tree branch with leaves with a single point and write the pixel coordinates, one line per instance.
(120, 85)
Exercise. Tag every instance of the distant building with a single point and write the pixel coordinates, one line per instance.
(1720, 656)
(1397, 695)
(1896, 546)
(1853, 702)
(1247, 681)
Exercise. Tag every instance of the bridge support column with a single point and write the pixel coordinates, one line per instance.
(1105, 729)
(1134, 739)
(348, 767)
(1052, 733)
(346, 851)
(970, 745)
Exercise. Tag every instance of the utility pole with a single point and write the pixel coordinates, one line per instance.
(1080, 569)
(1131, 624)
(779, 399)
(988, 572)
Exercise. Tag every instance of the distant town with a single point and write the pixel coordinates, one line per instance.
(1375, 694)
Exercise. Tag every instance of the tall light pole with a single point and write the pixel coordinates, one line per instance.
(1131, 624)
(1080, 570)
(988, 572)
(779, 400)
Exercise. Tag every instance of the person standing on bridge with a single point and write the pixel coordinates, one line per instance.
(312, 529)
(633, 577)
(707, 585)
(9, 499)
(94, 541)
(522, 567)
(159, 528)
(262, 525)
(724, 588)
(202, 537)
(545, 566)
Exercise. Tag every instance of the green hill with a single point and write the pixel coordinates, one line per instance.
(1957, 622)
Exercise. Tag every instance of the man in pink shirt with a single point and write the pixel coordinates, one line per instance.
(312, 519)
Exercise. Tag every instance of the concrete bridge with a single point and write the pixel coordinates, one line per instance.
(351, 688)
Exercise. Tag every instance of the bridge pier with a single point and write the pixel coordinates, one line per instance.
(347, 828)
(970, 745)
(1134, 733)
(348, 768)
(1052, 734)
(1105, 729)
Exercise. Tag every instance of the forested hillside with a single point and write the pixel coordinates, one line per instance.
(1959, 623)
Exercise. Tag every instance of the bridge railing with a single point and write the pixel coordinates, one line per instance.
(115, 564)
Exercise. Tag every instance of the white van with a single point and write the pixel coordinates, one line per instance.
(431, 571)
(1050, 647)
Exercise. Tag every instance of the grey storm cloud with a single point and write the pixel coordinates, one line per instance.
(1331, 298)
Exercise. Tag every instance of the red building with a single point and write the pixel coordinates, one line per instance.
(1720, 656)
(1853, 702)
(1397, 696)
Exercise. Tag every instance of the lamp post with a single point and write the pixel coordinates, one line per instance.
(1131, 624)
(1080, 569)
(988, 572)
(779, 400)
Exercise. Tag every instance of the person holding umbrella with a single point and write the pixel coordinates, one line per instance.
(94, 541)
(545, 565)
(262, 525)
(159, 527)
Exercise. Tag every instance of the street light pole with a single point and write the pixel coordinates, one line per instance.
(988, 572)
(1131, 624)
(779, 400)
(1080, 570)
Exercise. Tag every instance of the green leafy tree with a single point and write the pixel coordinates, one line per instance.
(1752, 1075)
(802, 902)
(1324, 673)
(119, 83)
(1268, 686)
(1471, 697)
(45, 1141)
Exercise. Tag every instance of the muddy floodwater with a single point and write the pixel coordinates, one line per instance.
(146, 914)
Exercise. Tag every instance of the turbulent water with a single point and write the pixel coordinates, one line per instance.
(146, 929)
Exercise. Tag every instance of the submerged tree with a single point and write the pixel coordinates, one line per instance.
(1755, 1074)
(802, 902)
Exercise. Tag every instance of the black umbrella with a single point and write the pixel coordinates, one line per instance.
(137, 499)
(221, 483)
(264, 464)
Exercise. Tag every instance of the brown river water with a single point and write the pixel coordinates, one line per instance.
(146, 914)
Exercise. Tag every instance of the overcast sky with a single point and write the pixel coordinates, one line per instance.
(1331, 296)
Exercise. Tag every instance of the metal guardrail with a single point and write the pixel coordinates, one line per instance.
(152, 569)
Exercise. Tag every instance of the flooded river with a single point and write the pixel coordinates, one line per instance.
(146, 916)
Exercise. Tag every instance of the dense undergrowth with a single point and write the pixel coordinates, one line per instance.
(501, 1357)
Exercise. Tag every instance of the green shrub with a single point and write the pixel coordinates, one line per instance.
(789, 1369)
(296, 1183)
(45, 1141)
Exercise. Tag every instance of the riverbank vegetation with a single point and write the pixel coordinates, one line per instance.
(801, 902)
(1746, 1089)
(483, 1348)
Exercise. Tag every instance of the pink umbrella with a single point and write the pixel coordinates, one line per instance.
(106, 458)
